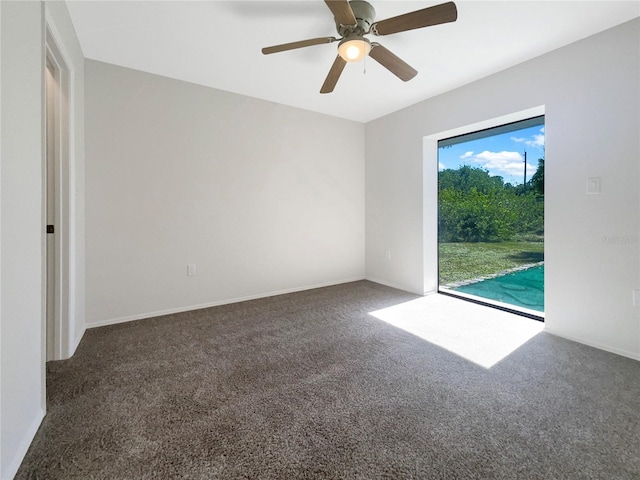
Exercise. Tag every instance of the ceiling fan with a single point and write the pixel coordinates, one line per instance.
(354, 19)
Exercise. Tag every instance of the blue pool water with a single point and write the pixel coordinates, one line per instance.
(524, 288)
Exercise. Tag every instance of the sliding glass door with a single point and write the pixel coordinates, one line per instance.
(491, 216)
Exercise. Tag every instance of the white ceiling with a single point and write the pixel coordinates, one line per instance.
(217, 43)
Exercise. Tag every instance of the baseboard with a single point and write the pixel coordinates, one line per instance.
(599, 346)
(76, 342)
(30, 434)
(393, 285)
(130, 318)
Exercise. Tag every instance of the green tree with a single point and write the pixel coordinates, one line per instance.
(466, 177)
(537, 181)
(476, 207)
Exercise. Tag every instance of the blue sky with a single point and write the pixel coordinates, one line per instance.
(502, 155)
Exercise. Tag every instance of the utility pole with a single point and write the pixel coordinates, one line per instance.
(525, 172)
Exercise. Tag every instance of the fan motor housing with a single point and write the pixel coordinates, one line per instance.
(364, 13)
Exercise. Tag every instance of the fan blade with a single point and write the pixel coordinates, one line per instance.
(342, 11)
(293, 45)
(391, 62)
(334, 74)
(443, 13)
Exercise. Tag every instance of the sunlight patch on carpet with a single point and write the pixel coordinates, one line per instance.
(480, 334)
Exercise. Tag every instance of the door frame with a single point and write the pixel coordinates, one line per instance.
(62, 295)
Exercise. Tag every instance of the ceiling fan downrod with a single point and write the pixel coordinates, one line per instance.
(364, 14)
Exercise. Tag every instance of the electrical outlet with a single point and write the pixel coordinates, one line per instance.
(191, 270)
(388, 254)
(593, 186)
(636, 298)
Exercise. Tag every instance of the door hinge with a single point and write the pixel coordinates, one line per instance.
(49, 228)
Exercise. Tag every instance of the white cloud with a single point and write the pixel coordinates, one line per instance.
(506, 164)
(536, 141)
(466, 155)
(441, 166)
(503, 156)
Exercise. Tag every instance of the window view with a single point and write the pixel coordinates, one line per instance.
(491, 216)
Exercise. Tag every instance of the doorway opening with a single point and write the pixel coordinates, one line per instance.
(491, 216)
(52, 109)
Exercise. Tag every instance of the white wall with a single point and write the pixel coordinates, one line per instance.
(72, 189)
(22, 235)
(591, 96)
(261, 197)
(22, 345)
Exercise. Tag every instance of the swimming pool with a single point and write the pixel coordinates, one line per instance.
(524, 288)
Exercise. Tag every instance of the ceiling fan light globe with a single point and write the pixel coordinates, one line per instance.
(353, 52)
(354, 49)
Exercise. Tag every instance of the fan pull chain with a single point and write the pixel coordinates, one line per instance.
(364, 65)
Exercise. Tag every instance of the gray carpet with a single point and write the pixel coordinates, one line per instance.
(308, 385)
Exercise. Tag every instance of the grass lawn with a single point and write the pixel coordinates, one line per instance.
(464, 261)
